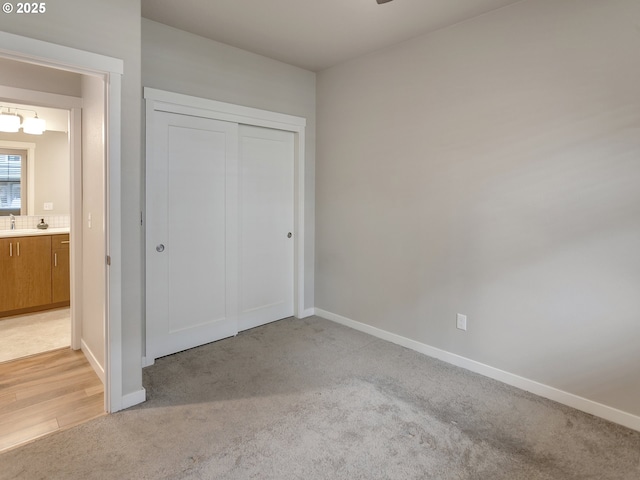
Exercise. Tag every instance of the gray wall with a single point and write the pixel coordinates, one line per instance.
(52, 169)
(110, 28)
(180, 62)
(34, 77)
(492, 168)
(52, 182)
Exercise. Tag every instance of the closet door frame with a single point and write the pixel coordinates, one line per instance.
(170, 102)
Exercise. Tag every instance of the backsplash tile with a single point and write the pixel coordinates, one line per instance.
(31, 221)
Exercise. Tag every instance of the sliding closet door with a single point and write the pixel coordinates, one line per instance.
(266, 225)
(191, 232)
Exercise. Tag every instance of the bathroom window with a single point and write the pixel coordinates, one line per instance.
(12, 181)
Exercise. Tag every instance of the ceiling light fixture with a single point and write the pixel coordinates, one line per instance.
(380, 2)
(10, 122)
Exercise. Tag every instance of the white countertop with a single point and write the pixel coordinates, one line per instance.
(31, 232)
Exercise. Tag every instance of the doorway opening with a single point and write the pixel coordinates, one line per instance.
(34, 194)
(41, 309)
(95, 69)
(94, 114)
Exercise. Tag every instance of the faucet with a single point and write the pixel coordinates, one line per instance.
(13, 221)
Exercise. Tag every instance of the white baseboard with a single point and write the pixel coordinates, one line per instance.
(148, 361)
(589, 406)
(134, 398)
(309, 312)
(93, 361)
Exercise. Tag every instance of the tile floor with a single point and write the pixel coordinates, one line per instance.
(24, 335)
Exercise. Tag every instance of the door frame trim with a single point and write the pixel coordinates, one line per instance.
(47, 54)
(171, 102)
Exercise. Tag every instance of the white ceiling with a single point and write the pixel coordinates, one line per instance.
(313, 34)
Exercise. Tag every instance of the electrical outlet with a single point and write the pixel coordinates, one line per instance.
(461, 321)
(48, 205)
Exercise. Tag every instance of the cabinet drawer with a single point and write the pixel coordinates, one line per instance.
(59, 241)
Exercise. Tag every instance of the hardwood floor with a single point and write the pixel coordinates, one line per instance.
(46, 393)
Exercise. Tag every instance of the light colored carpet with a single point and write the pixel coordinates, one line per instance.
(310, 399)
(25, 335)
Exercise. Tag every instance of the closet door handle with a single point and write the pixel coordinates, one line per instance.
(55, 259)
(18, 244)
(11, 249)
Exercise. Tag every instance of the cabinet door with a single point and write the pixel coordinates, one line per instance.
(32, 270)
(8, 264)
(60, 268)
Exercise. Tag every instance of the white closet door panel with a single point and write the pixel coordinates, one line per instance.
(266, 219)
(196, 225)
(191, 219)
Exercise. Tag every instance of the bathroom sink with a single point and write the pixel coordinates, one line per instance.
(29, 232)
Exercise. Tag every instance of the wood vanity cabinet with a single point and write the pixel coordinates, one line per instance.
(28, 274)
